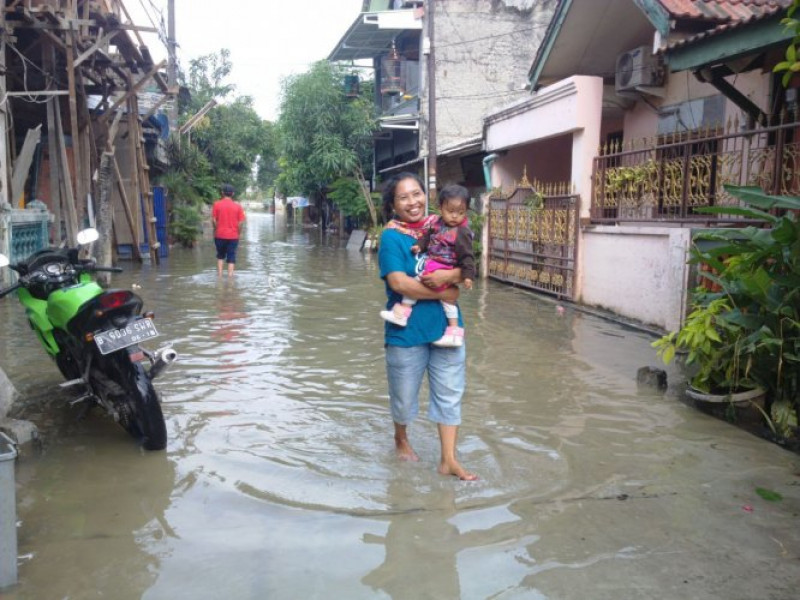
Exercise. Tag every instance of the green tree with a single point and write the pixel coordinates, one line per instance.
(267, 169)
(225, 145)
(232, 136)
(232, 139)
(791, 64)
(206, 80)
(189, 183)
(324, 134)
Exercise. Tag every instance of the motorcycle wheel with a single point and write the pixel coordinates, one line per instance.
(67, 365)
(138, 404)
(65, 361)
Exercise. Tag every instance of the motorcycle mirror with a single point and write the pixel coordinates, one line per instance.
(3, 261)
(87, 236)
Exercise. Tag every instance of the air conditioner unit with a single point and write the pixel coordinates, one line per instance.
(638, 68)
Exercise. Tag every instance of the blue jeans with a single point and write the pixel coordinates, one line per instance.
(405, 368)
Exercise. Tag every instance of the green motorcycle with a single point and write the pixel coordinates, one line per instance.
(93, 335)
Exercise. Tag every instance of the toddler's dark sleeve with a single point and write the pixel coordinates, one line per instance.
(424, 241)
(465, 253)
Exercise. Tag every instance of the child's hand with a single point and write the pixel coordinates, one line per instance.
(468, 284)
(415, 249)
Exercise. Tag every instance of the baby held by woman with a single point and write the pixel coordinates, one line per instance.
(447, 239)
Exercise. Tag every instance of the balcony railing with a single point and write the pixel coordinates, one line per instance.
(669, 178)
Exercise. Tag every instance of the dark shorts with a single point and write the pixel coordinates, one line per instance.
(226, 249)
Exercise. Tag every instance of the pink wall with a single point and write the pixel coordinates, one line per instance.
(642, 120)
(549, 161)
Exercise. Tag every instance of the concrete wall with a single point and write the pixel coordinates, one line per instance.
(570, 108)
(637, 272)
(641, 121)
(7, 394)
(483, 53)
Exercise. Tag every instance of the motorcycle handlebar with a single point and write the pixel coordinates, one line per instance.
(90, 266)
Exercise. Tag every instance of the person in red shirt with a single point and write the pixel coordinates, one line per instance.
(227, 217)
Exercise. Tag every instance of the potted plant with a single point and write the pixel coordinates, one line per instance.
(714, 353)
(756, 312)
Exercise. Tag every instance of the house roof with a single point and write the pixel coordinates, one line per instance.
(595, 23)
(371, 34)
(735, 41)
(729, 27)
(721, 10)
(584, 37)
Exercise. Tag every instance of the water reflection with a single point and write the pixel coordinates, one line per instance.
(280, 478)
(115, 514)
(448, 545)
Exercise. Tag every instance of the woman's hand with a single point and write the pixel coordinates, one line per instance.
(441, 277)
(408, 286)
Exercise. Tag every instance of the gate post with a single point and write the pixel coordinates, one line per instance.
(5, 239)
(484, 264)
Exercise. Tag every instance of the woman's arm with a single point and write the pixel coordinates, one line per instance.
(442, 277)
(411, 288)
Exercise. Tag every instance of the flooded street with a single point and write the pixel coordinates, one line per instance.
(279, 479)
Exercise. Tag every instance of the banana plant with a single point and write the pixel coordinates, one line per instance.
(757, 325)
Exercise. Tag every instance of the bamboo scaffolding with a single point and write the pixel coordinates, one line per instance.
(82, 31)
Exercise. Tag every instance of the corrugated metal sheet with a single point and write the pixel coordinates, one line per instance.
(722, 10)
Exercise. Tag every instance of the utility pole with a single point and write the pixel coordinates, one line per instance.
(5, 193)
(431, 104)
(172, 65)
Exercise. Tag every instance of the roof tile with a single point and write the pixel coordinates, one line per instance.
(722, 10)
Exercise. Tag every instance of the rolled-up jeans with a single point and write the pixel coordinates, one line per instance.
(405, 368)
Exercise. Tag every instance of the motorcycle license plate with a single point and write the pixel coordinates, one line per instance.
(116, 339)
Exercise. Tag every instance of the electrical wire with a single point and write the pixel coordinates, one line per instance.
(487, 95)
(491, 37)
(25, 62)
(160, 27)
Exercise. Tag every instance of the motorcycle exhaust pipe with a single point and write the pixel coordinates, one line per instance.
(163, 358)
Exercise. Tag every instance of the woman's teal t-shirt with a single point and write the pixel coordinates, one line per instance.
(427, 322)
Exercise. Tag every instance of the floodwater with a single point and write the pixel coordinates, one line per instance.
(279, 480)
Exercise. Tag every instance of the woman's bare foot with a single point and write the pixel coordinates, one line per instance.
(456, 470)
(404, 450)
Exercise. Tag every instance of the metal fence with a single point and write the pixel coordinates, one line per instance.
(23, 232)
(670, 177)
(533, 237)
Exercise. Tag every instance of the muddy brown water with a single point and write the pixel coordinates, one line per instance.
(279, 480)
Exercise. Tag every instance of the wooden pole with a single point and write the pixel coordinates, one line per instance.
(55, 179)
(144, 185)
(126, 205)
(172, 70)
(133, 120)
(104, 214)
(66, 177)
(429, 10)
(48, 61)
(77, 154)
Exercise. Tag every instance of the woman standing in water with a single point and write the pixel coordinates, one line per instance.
(409, 349)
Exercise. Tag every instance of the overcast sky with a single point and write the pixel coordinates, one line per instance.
(268, 39)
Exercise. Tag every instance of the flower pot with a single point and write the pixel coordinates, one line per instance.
(745, 407)
(744, 397)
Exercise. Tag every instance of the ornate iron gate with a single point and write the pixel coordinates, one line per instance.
(533, 237)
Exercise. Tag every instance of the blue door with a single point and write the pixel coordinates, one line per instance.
(160, 212)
